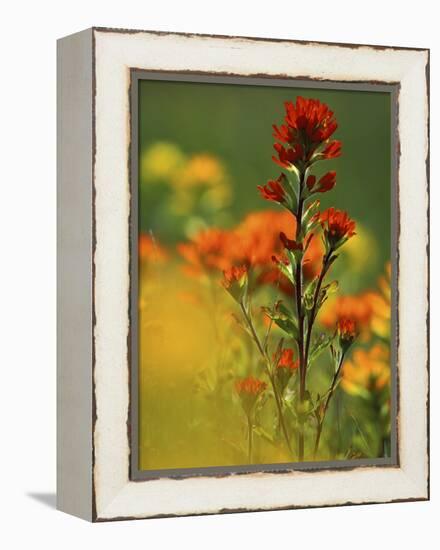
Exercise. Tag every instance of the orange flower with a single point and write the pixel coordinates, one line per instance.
(234, 281)
(358, 308)
(258, 236)
(251, 386)
(259, 241)
(150, 250)
(233, 275)
(370, 310)
(286, 360)
(367, 371)
(253, 243)
(347, 332)
(337, 226)
(209, 251)
(285, 367)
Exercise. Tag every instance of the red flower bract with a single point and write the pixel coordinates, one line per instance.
(337, 226)
(347, 332)
(287, 157)
(274, 190)
(289, 243)
(250, 386)
(332, 150)
(311, 180)
(285, 367)
(286, 360)
(283, 133)
(233, 275)
(326, 183)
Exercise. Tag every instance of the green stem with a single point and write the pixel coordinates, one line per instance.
(327, 403)
(299, 310)
(269, 374)
(314, 312)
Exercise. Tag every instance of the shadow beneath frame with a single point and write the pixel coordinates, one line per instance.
(48, 499)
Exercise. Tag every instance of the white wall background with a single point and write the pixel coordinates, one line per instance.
(27, 273)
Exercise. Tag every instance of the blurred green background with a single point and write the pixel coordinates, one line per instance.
(203, 149)
(234, 123)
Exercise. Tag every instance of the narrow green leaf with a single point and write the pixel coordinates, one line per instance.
(319, 346)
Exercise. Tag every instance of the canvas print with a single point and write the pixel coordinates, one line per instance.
(264, 275)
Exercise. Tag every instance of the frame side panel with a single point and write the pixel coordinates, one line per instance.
(74, 274)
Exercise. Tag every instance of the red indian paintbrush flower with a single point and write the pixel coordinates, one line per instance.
(234, 274)
(286, 360)
(234, 281)
(325, 183)
(285, 367)
(312, 117)
(309, 124)
(347, 332)
(337, 226)
(249, 390)
(274, 190)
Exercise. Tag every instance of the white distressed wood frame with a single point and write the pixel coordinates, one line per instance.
(94, 188)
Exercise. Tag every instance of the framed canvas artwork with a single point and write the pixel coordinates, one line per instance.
(243, 274)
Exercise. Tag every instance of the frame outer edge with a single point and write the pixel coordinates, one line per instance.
(74, 274)
(417, 498)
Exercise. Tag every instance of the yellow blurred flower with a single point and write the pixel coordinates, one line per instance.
(367, 371)
(217, 197)
(202, 179)
(196, 182)
(201, 170)
(161, 161)
(381, 305)
(356, 307)
(361, 252)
